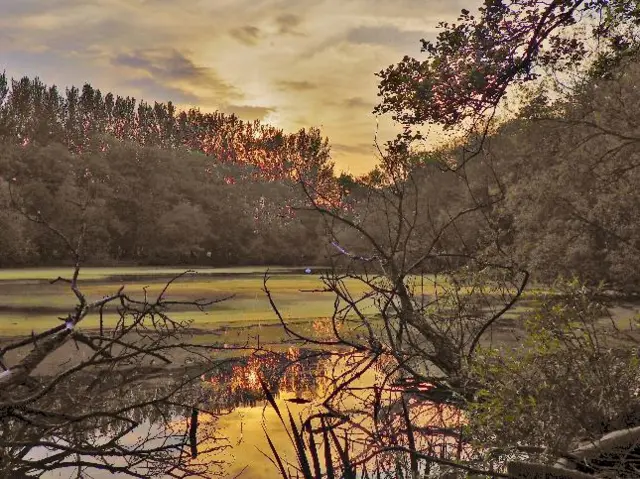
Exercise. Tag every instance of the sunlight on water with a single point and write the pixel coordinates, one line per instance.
(233, 438)
(245, 426)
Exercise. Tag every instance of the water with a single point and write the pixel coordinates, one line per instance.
(233, 439)
(314, 380)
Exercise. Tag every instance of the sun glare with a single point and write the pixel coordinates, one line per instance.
(273, 118)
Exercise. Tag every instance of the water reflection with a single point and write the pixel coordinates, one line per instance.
(104, 423)
(367, 396)
(293, 372)
(231, 435)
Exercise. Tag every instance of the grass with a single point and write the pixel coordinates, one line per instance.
(31, 275)
(29, 303)
(92, 273)
(243, 312)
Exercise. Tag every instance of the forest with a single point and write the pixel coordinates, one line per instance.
(161, 187)
(167, 187)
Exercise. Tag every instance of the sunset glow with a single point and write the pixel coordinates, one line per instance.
(287, 63)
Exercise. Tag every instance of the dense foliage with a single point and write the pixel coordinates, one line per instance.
(472, 63)
(32, 112)
(557, 183)
(550, 390)
(551, 190)
(147, 205)
(564, 178)
(154, 185)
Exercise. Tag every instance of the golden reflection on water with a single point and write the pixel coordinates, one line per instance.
(245, 425)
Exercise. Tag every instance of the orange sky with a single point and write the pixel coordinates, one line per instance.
(291, 63)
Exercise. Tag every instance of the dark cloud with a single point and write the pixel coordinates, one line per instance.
(302, 121)
(249, 35)
(432, 8)
(357, 102)
(249, 113)
(386, 35)
(320, 47)
(407, 42)
(289, 85)
(7, 41)
(103, 33)
(287, 23)
(166, 66)
(31, 7)
(169, 65)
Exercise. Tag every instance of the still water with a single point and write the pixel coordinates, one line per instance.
(233, 439)
(315, 380)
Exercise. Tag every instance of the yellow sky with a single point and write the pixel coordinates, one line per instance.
(292, 63)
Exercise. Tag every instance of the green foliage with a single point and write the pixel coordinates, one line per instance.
(555, 187)
(471, 63)
(153, 185)
(31, 112)
(573, 378)
(570, 175)
(149, 205)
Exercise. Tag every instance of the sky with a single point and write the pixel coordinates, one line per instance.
(291, 63)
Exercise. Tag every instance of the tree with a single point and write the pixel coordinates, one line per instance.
(471, 65)
(31, 112)
(430, 328)
(413, 297)
(568, 174)
(547, 394)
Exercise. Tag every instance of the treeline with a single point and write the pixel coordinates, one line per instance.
(572, 175)
(32, 112)
(554, 189)
(152, 185)
(147, 205)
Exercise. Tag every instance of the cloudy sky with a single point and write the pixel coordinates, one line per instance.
(291, 63)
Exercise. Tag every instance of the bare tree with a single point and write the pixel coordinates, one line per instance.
(415, 296)
(120, 398)
(420, 284)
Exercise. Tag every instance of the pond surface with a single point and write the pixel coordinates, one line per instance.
(246, 426)
(300, 381)
(28, 301)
